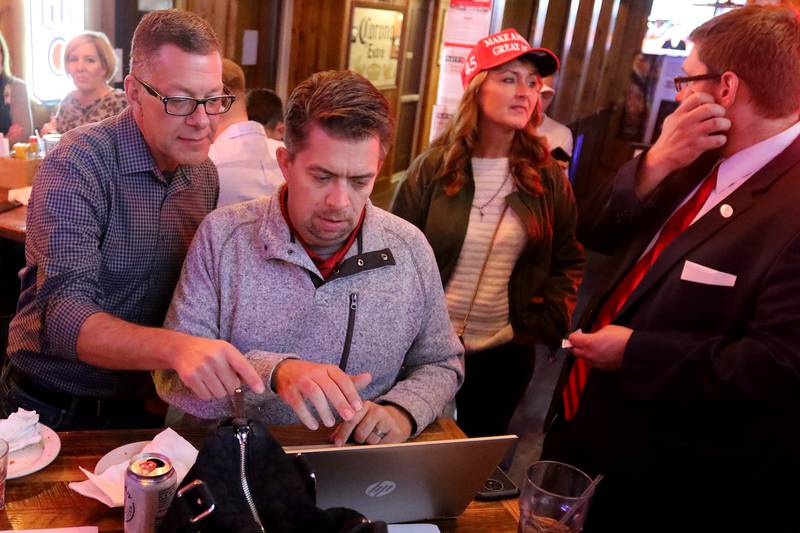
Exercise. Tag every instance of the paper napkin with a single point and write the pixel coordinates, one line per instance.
(20, 430)
(20, 196)
(109, 487)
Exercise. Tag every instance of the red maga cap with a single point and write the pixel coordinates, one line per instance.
(503, 47)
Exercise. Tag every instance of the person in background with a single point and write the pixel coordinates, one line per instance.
(500, 216)
(264, 106)
(326, 294)
(15, 107)
(558, 135)
(113, 210)
(674, 40)
(90, 62)
(242, 152)
(685, 387)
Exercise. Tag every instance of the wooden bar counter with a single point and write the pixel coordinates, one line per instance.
(12, 224)
(14, 174)
(43, 499)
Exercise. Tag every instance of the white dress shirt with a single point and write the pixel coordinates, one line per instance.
(557, 134)
(245, 159)
(737, 169)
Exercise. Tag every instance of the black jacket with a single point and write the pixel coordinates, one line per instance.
(705, 411)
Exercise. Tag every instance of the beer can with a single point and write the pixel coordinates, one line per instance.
(150, 484)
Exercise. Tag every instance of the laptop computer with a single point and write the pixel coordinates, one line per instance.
(407, 481)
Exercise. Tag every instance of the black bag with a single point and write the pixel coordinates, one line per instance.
(243, 481)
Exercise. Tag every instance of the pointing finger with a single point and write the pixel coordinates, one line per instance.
(242, 366)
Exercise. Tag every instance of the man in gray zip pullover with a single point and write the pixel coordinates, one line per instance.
(335, 302)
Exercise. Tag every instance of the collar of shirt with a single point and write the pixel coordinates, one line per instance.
(324, 265)
(134, 155)
(736, 169)
(249, 127)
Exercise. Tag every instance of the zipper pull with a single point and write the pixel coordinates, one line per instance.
(353, 301)
(241, 434)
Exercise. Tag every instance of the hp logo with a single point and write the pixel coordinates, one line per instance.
(381, 488)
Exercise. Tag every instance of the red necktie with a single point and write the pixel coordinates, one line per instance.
(679, 221)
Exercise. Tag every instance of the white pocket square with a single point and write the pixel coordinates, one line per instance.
(707, 276)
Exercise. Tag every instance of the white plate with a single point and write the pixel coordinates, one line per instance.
(36, 456)
(118, 455)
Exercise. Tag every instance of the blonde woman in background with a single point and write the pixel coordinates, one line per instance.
(500, 217)
(15, 107)
(90, 62)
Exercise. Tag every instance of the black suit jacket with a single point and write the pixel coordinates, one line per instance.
(706, 407)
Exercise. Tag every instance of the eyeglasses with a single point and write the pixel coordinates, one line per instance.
(681, 81)
(181, 106)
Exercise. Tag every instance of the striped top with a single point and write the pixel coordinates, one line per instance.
(489, 323)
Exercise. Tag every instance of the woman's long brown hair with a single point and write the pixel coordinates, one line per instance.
(528, 153)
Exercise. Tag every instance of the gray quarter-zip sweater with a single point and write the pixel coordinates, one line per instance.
(247, 281)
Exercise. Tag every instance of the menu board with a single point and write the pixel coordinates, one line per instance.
(374, 50)
(466, 21)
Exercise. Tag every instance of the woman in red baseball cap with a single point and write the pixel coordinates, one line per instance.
(500, 216)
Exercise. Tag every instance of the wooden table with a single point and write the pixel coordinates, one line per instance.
(14, 174)
(43, 500)
(12, 224)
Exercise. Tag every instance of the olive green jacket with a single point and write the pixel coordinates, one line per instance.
(544, 282)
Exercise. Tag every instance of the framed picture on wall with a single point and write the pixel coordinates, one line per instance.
(375, 43)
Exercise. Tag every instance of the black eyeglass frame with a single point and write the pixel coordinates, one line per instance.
(680, 80)
(227, 97)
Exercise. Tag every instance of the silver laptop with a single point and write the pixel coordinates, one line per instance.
(408, 481)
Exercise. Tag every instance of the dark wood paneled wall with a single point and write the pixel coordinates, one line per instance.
(596, 41)
(555, 25)
(431, 73)
(573, 57)
(589, 96)
(230, 18)
(320, 37)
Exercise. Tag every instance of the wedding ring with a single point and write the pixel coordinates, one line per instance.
(378, 433)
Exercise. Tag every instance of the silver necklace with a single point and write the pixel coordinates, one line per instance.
(480, 208)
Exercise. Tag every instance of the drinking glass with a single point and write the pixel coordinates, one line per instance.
(3, 471)
(549, 492)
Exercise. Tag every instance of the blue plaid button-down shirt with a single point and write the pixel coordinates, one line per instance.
(107, 232)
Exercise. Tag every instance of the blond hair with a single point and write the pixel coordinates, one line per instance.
(103, 47)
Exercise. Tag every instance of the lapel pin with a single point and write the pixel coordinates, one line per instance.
(726, 210)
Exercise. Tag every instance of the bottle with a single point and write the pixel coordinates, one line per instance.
(33, 151)
(21, 150)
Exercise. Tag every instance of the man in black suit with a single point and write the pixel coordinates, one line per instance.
(684, 391)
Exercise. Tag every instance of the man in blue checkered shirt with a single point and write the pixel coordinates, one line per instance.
(112, 213)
